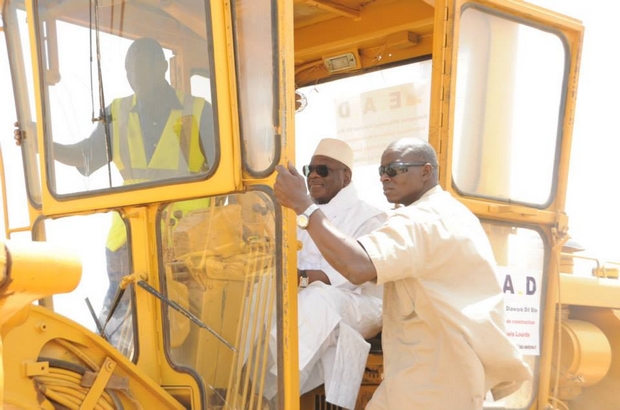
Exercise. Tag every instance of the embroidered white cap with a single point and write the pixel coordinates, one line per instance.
(336, 149)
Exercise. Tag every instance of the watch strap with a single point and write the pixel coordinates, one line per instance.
(310, 210)
(304, 281)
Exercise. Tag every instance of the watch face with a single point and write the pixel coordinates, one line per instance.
(302, 221)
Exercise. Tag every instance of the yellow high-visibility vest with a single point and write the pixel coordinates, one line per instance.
(177, 154)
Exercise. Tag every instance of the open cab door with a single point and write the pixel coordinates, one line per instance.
(508, 74)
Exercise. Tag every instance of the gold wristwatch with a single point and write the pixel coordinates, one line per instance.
(304, 218)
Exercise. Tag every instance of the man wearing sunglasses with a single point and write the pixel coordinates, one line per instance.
(444, 345)
(335, 316)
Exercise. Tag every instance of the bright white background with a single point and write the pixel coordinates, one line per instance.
(593, 194)
(592, 204)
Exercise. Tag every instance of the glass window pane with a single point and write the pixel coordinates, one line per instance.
(16, 29)
(508, 109)
(520, 256)
(367, 111)
(117, 88)
(219, 265)
(256, 81)
(103, 266)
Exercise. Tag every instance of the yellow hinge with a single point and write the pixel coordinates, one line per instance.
(562, 221)
(560, 230)
(440, 148)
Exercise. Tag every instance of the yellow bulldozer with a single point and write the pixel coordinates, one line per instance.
(156, 285)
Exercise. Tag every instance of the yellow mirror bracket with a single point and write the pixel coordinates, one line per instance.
(132, 279)
(560, 230)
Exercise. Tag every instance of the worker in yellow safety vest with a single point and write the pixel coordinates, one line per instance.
(155, 134)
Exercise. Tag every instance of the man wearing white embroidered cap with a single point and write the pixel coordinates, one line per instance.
(443, 337)
(335, 316)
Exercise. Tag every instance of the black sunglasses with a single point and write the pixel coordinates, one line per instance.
(396, 168)
(321, 170)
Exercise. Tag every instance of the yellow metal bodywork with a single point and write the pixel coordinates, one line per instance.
(29, 272)
(578, 362)
(76, 352)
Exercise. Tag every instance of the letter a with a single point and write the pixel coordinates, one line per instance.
(508, 286)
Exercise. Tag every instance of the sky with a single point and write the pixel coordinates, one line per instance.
(592, 201)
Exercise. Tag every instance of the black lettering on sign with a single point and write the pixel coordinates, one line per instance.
(508, 286)
(530, 286)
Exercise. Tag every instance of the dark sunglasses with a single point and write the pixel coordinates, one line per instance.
(321, 170)
(396, 168)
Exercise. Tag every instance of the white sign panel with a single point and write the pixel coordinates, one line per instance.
(370, 121)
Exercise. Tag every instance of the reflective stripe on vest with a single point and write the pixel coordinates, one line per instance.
(177, 153)
(178, 146)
